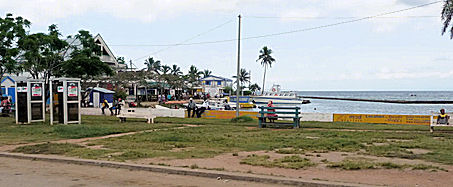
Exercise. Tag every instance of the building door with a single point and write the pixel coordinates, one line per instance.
(96, 100)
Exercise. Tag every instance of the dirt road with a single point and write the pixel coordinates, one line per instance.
(18, 172)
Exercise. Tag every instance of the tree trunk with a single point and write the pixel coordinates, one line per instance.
(264, 79)
(1, 77)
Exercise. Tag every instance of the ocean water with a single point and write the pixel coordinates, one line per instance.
(359, 107)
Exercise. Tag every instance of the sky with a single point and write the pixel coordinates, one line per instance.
(401, 51)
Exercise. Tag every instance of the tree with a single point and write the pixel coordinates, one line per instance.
(244, 77)
(166, 69)
(43, 53)
(12, 31)
(206, 73)
(84, 60)
(447, 14)
(265, 59)
(153, 65)
(193, 76)
(175, 70)
(254, 87)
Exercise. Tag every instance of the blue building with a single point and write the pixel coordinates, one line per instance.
(97, 96)
(8, 86)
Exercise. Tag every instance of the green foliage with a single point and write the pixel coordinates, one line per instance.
(84, 60)
(228, 89)
(12, 31)
(47, 148)
(265, 59)
(291, 162)
(247, 92)
(43, 53)
(254, 87)
(153, 65)
(206, 73)
(242, 119)
(120, 94)
(362, 163)
(446, 15)
(166, 69)
(193, 75)
(64, 149)
(91, 126)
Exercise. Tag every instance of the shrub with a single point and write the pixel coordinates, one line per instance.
(242, 119)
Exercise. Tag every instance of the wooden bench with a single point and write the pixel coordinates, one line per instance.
(289, 113)
(132, 113)
(434, 121)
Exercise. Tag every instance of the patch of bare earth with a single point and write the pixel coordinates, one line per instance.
(392, 177)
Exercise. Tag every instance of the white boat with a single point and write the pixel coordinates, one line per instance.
(279, 98)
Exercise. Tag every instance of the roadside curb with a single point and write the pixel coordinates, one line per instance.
(180, 171)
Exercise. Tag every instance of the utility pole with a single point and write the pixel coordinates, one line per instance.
(239, 67)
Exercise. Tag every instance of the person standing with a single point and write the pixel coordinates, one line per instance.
(191, 108)
(120, 104)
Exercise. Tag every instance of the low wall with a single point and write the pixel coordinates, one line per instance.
(226, 114)
(323, 117)
(158, 112)
(383, 119)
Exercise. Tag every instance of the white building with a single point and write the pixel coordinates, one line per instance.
(214, 85)
(106, 53)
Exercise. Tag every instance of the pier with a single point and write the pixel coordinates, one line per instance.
(379, 101)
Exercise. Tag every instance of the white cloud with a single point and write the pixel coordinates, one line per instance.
(45, 11)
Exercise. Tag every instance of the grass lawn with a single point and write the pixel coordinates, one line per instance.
(91, 126)
(214, 137)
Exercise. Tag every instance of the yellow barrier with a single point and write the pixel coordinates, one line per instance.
(384, 119)
(226, 114)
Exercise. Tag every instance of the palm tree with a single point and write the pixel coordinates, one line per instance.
(447, 15)
(153, 65)
(165, 69)
(175, 70)
(265, 59)
(254, 87)
(244, 77)
(206, 73)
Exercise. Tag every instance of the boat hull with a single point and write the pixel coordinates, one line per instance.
(277, 100)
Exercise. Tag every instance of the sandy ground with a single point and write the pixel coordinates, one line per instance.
(380, 177)
(17, 172)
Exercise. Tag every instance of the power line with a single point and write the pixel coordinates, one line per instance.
(343, 22)
(327, 17)
(187, 40)
(292, 31)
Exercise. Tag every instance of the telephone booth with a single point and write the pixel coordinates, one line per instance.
(65, 100)
(30, 101)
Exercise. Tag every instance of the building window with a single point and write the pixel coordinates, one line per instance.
(219, 82)
(208, 82)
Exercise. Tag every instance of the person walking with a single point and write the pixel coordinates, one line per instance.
(191, 107)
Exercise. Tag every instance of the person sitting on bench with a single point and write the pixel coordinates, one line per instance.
(443, 118)
(272, 117)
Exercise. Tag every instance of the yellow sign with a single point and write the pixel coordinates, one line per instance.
(384, 119)
(226, 114)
